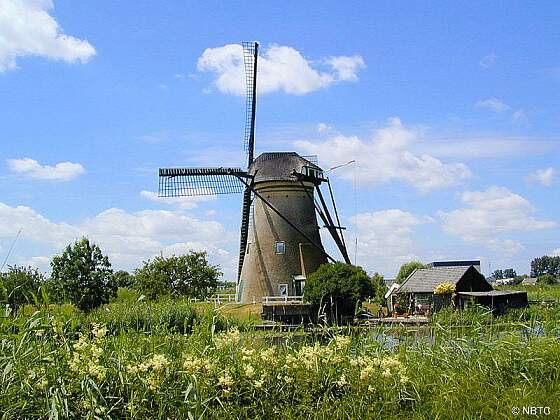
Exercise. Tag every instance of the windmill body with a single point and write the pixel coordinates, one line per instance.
(277, 256)
(279, 240)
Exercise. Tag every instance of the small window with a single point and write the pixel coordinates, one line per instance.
(283, 289)
(280, 247)
(248, 248)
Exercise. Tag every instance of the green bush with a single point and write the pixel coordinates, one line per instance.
(185, 275)
(338, 287)
(21, 285)
(85, 274)
(546, 279)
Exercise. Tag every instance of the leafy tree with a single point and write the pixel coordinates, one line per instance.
(509, 273)
(85, 274)
(518, 280)
(54, 290)
(339, 287)
(123, 278)
(407, 269)
(545, 265)
(546, 279)
(498, 274)
(20, 285)
(184, 275)
(378, 284)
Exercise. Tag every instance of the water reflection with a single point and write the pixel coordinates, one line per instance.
(390, 338)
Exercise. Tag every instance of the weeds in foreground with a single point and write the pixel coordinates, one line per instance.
(55, 367)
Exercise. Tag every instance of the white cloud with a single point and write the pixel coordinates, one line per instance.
(34, 226)
(493, 104)
(181, 202)
(324, 128)
(128, 238)
(385, 238)
(488, 61)
(27, 29)
(63, 171)
(281, 68)
(489, 215)
(385, 157)
(544, 177)
(519, 117)
(346, 68)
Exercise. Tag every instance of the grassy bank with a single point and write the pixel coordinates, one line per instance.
(50, 368)
(175, 359)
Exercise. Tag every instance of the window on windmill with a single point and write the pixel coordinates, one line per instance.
(248, 247)
(312, 172)
(280, 247)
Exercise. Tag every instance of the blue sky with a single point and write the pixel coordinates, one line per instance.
(452, 114)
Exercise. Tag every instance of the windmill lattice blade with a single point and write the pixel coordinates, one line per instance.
(250, 54)
(180, 182)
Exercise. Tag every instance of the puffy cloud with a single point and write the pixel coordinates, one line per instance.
(27, 29)
(385, 157)
(545, 176)
(493, 104)
(385, 238)
(181, 202)
(281, 68)
(128, 238)
(34, 226)
(63, 171)
(489, 215)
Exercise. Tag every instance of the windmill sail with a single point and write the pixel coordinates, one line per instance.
(180, 182)
(250, 58)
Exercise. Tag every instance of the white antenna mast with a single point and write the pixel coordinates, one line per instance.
(10, 250)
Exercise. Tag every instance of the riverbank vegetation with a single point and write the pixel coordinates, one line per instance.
(174, 359)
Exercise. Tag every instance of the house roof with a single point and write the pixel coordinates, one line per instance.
(279, 166)
(425, 280)
(529, 280)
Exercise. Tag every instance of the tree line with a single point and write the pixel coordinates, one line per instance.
(83, 275)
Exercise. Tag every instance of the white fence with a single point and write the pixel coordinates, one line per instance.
(282, 299)
(220, 298)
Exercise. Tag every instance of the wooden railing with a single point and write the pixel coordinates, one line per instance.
(282, 299)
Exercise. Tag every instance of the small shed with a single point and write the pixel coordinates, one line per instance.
(496, 300)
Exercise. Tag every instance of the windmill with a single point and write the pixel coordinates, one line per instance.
(279, 240)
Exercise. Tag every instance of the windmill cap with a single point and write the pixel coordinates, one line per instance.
(279, 166)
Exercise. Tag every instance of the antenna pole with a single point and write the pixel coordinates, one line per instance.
(10, 250)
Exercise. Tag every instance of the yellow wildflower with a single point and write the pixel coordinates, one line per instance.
(342, 381)
(249, 371)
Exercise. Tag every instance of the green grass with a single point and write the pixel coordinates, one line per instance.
(172, 359)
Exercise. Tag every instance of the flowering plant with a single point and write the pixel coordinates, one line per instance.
(444, 289)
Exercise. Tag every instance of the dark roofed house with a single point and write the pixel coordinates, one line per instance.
(470, 288)
(422, 282)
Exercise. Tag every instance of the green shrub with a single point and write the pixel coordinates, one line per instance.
(185, 275)
(85, 274)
